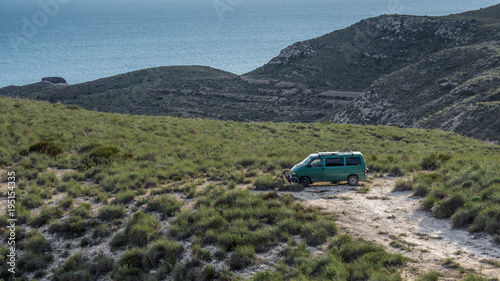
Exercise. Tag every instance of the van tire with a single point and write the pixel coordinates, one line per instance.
(352, 180)
(305, 181)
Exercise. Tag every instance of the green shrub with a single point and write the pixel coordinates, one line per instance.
(242, 257)
(403, 185)
(291, 254)
(119, 240)
(73, 188)
(447, 207)
(31, 201)
(209, 272)
(474, 277)
(101, 231)
(431, 275)
(267, 182)
(396, 171)
(47, 179)
(84, 242)
(434, 161)
(165, 204)
(46, 147)
(316, 233)
(82, 210)
(80, 267)
(47, 214)
(350, 249)
(29, 261)
(72, 227)
(103, 154)
(36, 243)
(66, 203)
(111, 212)
(488, 220)
(141, 229)
(270, 276)
(131, 258)
(75, 268)
(124, 197)
(336, 270)
(183, 272)
(102, 265)
(163, 250)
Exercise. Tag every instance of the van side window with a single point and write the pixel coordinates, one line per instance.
(334, 162)
(353, 161)
(316, 163)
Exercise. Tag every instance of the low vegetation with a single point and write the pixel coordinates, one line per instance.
(162, 196)
(465, 191)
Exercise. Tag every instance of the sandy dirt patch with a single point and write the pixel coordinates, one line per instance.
(396, 220)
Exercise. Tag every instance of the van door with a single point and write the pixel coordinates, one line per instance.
(335, 169)
(355, 166)
(315, 169)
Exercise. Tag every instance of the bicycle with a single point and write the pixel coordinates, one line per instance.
(284, 177)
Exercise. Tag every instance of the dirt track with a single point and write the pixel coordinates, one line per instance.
(395, 220)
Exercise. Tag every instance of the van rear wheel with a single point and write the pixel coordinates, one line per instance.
(304, 181)
(352, 180)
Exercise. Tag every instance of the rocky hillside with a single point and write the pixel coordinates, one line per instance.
(192, 92)
(457, 90)
(408, 71)
(428, 72)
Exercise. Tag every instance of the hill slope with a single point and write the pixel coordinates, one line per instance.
(109, 196)
(430, 72)
(187, 91)
(408, 71)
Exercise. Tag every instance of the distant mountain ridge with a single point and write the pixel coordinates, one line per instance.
(408, 71)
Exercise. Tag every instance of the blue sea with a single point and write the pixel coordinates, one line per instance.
(83, 40)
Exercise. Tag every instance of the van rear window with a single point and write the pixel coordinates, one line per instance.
(333, 162)
(353, 161)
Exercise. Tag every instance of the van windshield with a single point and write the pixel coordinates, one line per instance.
(305, 161)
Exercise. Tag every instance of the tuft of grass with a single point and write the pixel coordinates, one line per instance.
(162, 251)
(403, 185)
(47, 214)
(111, 212)
(141, 228)
(434, 161)
(495, 263)
(166, 205)
(31, 201)
(242, 256)
(72, 227)
(46, 147)
(80, 267)
(267, 182)
(124, 197)
(431, 275)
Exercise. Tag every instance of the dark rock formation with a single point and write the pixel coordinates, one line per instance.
(54, 80)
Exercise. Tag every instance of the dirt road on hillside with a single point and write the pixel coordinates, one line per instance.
(395, 220)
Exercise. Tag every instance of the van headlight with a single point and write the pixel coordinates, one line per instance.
(293, 173)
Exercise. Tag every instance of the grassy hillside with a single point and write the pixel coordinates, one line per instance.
(127, 197)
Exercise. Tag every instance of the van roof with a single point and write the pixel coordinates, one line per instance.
(329, 153)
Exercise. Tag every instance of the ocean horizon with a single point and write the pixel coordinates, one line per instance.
(87, 40)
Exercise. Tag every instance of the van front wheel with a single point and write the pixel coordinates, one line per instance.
(353, 180)
(304, 181)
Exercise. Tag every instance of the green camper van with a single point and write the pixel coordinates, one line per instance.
(330, 167)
